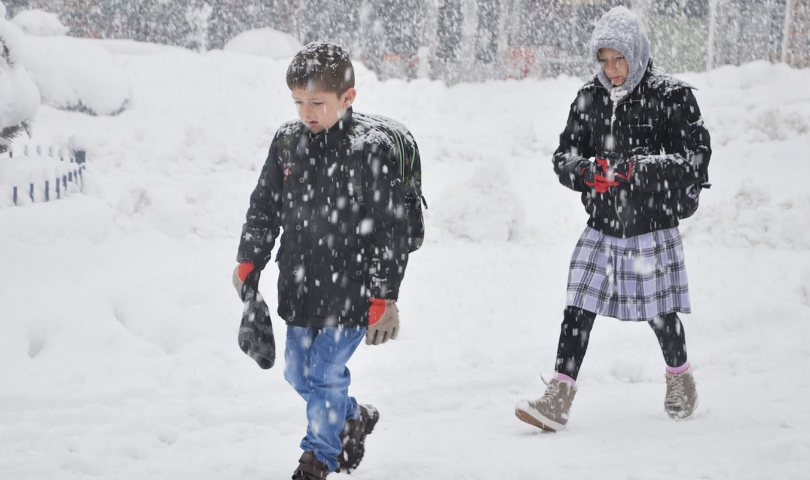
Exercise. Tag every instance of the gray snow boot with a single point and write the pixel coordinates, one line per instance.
(681, 399)
(549, 412)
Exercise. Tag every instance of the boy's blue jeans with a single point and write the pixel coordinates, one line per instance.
(316, 368)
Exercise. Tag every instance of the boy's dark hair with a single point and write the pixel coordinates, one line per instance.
(321, 66)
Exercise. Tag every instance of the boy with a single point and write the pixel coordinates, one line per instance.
(331, 182)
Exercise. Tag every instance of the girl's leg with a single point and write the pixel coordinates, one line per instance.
(669, 330)
(551, 411)
(681, 398)
(574, 334)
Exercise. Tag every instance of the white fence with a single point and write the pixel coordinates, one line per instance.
(36, 176)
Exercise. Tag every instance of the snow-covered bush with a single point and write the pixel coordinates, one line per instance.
(266, 42)
(75, 74)
(19, 97)
(39, 23)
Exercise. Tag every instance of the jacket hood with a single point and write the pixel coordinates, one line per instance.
(620, 29)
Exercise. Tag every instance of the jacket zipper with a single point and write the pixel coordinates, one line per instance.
(626, 99)
(616, 209)
(616, 194)
(613, 116)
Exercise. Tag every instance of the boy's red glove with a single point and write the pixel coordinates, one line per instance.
(383, 321)
(240, 273)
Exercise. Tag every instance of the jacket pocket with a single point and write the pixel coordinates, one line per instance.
(641, 140)
(353, 266)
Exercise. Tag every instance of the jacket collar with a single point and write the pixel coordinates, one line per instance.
(331, 135)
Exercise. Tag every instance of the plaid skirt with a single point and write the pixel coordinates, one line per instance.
(636, 278)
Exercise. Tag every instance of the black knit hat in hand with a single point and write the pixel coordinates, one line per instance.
(256, 337)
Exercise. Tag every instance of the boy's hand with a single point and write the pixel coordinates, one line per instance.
(383, 321)
(240, 274)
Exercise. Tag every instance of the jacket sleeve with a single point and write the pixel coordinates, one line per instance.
(263, 218)
(571, 157)
(687, 148)
(385, 221)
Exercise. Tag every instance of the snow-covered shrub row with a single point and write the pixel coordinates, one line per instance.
(19, 97)
(266, 42)
(76, 74)
(71, 73)
(39, 23)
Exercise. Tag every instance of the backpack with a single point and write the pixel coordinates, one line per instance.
(410, 170)
(688, 199)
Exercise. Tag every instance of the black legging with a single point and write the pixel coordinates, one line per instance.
(576, 331)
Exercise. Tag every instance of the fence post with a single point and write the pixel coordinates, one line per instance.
(786, 30)
(61, 182)
(712, 34)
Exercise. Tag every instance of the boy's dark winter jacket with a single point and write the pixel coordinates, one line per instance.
(335, 251)
(659, 126)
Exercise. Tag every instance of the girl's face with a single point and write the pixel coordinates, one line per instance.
(319, 110)
(614, 65)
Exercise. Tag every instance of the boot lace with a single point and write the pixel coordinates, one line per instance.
(676, 395)
(552, 391)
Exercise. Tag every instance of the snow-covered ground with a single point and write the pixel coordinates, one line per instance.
(118, 321)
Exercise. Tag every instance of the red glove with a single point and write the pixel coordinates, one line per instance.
(596, 176)
(376, 310)
(615, 167)
(240, 273)
(244, 269)
(383, 321)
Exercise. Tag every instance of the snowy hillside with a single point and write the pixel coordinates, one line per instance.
(118, 321)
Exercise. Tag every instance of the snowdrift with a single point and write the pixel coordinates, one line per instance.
(118, 321)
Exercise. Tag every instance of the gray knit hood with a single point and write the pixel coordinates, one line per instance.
(620, 29)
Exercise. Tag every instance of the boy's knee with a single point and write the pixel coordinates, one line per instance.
(296, 376)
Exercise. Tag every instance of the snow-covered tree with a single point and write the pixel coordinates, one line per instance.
(19, 96)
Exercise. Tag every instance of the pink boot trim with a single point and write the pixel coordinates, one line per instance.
(564, 378)
(678, 370)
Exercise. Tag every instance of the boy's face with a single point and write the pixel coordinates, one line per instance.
(614, 64)
(319, 110)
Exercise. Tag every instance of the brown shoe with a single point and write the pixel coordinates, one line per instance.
(353, 438)
(310, 468)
